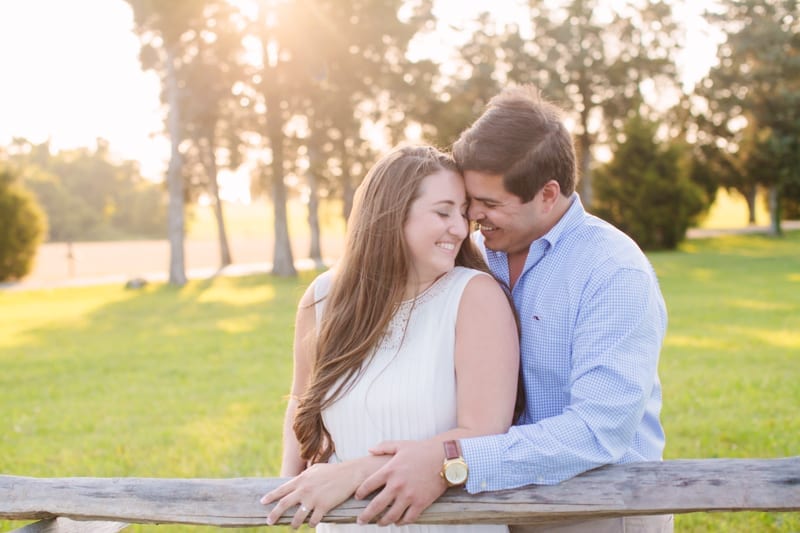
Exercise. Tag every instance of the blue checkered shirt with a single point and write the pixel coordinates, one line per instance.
(593, 321)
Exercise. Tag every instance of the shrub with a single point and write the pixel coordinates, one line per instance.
(22, 227)
(646, 190)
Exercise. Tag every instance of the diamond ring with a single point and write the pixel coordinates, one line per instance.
(304, 508)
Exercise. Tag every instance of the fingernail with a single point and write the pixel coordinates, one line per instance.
(263, 500)
(270, 521)
(360, 522)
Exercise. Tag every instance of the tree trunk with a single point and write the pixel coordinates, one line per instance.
(70, 259)
(282, 262)
(586, 191)
(210, 163)
(751, 196)
(314, 166)
(775, 210)
(347, 181)
(175, 211)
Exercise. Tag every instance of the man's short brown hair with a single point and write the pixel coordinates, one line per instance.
(522, 138)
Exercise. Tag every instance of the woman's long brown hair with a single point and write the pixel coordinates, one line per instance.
(369, 285)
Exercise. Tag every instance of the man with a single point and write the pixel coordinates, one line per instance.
(592, 321)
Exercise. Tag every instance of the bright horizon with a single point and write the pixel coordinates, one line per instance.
(74, 75)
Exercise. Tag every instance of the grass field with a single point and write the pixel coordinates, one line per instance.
(100, 381)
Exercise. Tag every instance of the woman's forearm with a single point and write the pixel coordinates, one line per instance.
(291, 463)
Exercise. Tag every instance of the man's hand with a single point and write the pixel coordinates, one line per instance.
(410, 481)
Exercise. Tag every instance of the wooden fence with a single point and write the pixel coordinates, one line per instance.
(106, 505)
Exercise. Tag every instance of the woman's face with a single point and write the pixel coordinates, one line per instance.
(435, 228)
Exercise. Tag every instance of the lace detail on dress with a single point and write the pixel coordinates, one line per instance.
(393, 337)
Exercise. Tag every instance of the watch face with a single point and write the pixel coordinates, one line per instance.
(456, 473)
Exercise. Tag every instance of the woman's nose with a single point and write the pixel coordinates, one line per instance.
(460, 228)
(474, 212)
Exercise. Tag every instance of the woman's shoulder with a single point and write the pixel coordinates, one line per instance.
(472, 285)
(322, 284)
(468, 273)
(484, 302)
(474, 276)
(317, 290)
(479, 284)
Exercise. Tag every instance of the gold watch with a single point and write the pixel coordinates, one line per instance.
(454, 469)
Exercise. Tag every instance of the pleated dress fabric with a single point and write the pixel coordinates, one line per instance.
(407, 387)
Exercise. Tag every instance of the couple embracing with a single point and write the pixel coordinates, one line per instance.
(409, 354)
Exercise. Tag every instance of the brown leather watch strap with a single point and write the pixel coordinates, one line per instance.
(451, 449)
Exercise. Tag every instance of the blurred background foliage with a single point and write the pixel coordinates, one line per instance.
(303, 95)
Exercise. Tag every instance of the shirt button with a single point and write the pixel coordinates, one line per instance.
(483, 484)
(539, 479)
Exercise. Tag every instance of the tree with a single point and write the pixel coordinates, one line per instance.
(332, 67)
(22, 227)
(70, 217)
(210, 110)
(163, 28)
(472, 84)
(87, 195)
(646, 190)
(273, 28)
(750, 115)
(356, 76)
(597, 63)
(727, 167)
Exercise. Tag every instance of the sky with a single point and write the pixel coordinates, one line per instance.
(71, 73)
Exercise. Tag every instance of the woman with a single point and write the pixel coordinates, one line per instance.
(408, 338)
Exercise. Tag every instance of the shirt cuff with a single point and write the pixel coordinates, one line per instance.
(484, 457)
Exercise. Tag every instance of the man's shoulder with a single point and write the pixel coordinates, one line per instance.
(601, 246)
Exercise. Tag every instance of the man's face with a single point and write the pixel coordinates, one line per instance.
(507, 224)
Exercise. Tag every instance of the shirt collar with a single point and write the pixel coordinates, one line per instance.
(570, 220)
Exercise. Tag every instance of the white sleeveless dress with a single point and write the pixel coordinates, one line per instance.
(407, 389)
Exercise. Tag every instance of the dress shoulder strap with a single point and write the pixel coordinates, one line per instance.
(322, 285)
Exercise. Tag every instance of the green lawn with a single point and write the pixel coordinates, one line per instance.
(101, 381)
(731, 362)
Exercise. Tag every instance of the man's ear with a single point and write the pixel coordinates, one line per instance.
(551, 192)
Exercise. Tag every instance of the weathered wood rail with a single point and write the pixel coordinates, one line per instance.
(678, 486)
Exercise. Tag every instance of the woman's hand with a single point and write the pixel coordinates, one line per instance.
(319, 488)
